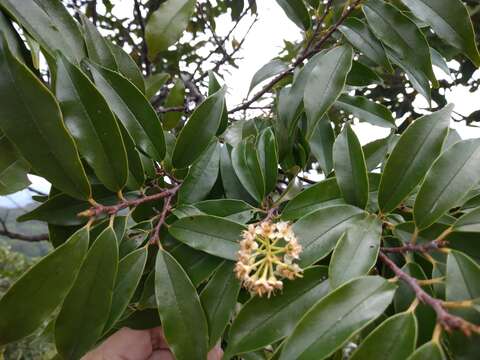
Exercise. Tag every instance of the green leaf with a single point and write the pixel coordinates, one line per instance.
(175, 98)
(32, 299)
(31, 119)
(326, 83)
(401, 34)
(323, 194)
(130, 271)
(128, 68)
(450, 178)
(167, 24)
(439, 61)
(199, 130)
(375, 152)
(219, 298)
(246, 163)
(362, 75)
(136, 171)
(468, 222)
(92, 124)
(350, 168)
(356, 252)
(180, 310)
(97, 47)
(451, 22)
(13, 169)
(366, 110)
(213, 87)
(263, 321)
(86, 308)
(359, 35)
(338, 316)
(268, 70)
(321, 144)
(14, 41)
(49, 23)
(268, 157)
(154, 83)
(297, 12)
(235, 210)
(319, 231)
(201, 177)
(231, 184)
(430, 351)
(462, 277)
(133, 110)
(211, 234)
(412, 156)
(394, 339)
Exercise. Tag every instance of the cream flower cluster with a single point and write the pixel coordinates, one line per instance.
(267, 255)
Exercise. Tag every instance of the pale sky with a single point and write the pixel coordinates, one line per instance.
(264, 43)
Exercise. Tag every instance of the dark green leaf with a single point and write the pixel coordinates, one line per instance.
(14, 41)
(231, 184)
(376, 152)
(13, 169)
(235, 210)
(154, 83)
(366, 110)
(128, 68)
(297, 12)
(268, 157)
(175, 98)
(321, 144)
(430, 351)
(136, 171)
(97, 47)
(462, 277)
(268, 70)
(362, 75)
(469, 222)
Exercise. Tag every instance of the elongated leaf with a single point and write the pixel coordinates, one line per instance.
(263, 321)
(268, 70)
(201, 176)
(32, 299)
(133, 110)
(86, 308)
(200, 129)
(394, 339)
(430, 351)
(128, 68)
(136, 171)
(130, 270)
(13, 169)
(235, 210)
(213, 87)
(166, 25)
(180, 310)
(92, 124)
(451, 22)
(319, 231)
(321, 144)
(366, 110)
(297, 12)
(211, 234)
(28, 111)
(325, 193)
(14, 41)
(356, 252)
(412, 156)
(469, 222)
(325, 83)
(175, 98)
(218, 299)
(246, 163)
(97, 47)
(268, 157)
(350, 168)
(231, 184)
(376, 152)
(362, 75)
(450, 178)
(338, 316)
(154, 83)
(49, 23)
(360, 36)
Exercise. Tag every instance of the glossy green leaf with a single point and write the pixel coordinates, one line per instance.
(325, 193)
(29, 111)
(263, 321)
(350, 168)
(180, 310)
(362, 75)
(401, 34)
(246, 163)
(297, 12)
(450, 178)
(337, 317)
(469, 222)
(430, 351)
(13, 169)
(321, 144)
(213, 87)
(356, 252)
(219, 298)
(235, 210)
(451, 22)
(86, 308)
(462, 277)
(231, 184)
(394, 339)
(268, 157)
(319, 231)
(439, 61)
(201, 176)
(326, 83)
(359, 35)
(136, 171)
(49, 23)
(412, 156)
(167, 24)
(211, 234)
(199, 130)
(97, 47)
(133, 110)
(375, 152)
(175, 98)
(366, 110)
(128, 68)
(154, 83)
(14, 41)
(92, 124)
(130, 270)
(34, 297)
(268, 70)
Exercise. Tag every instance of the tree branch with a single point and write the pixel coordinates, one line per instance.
(13, 235)
(144, 50)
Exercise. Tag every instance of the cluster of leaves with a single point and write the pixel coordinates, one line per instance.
(146, 211)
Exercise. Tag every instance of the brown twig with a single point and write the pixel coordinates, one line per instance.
(155, 238)
(164, 110)
(144, 49)
(13, 235)
(448, 321)
(434, 245)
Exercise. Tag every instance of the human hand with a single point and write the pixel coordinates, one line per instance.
(128, 344)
